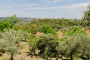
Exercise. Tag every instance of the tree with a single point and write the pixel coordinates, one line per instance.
(74, 31)
(69, 46)
(75, 44)
(47, 43)
(84, 41)
(58, 26)
(47, 29)
(15, 28)
(8, 24)
(13, 20)
(25, 34)
(33, 28)
(4, 24)
(32, 43)
(26, 29)
(86, 15)
(9, 41)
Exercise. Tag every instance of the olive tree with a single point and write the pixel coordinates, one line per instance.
(73, 44)
(69, 46)
(9, 41)
(84, 41)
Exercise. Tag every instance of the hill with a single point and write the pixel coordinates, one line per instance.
(25, 19)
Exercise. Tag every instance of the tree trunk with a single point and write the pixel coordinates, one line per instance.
(46, 57)
(61, 56)
(50, 58)
(71, 56)
(11, 56)
(25, 39)
(31, 55)
(57, 57)
(45, 31)
(89, 57)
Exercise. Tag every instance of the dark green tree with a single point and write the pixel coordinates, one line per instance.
(47, 43)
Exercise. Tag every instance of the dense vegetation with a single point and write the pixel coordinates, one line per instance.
(76, 42)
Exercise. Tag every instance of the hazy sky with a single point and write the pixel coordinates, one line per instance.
(43, 8)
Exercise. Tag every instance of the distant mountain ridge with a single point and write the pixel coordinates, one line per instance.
(25, 19)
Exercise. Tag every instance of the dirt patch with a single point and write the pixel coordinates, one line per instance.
(60, 34)
(38, 34)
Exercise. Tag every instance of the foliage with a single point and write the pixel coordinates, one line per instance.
(75, 30)
(25, 35)
(4, 24)
(13, 20)
(47, 44)
(32, 39)
(8, 24)
(34, 28)
(10, 39)
(32, 43)
(69, 46)
(84, 41)
(47, 29)
(27, 30)
(15, 28)
(86, 16)
(75, 44)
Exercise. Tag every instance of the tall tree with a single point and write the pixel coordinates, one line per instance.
(13, 20)
(8, 24)
(86, 15)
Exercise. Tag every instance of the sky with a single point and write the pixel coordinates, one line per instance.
(69, 9)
